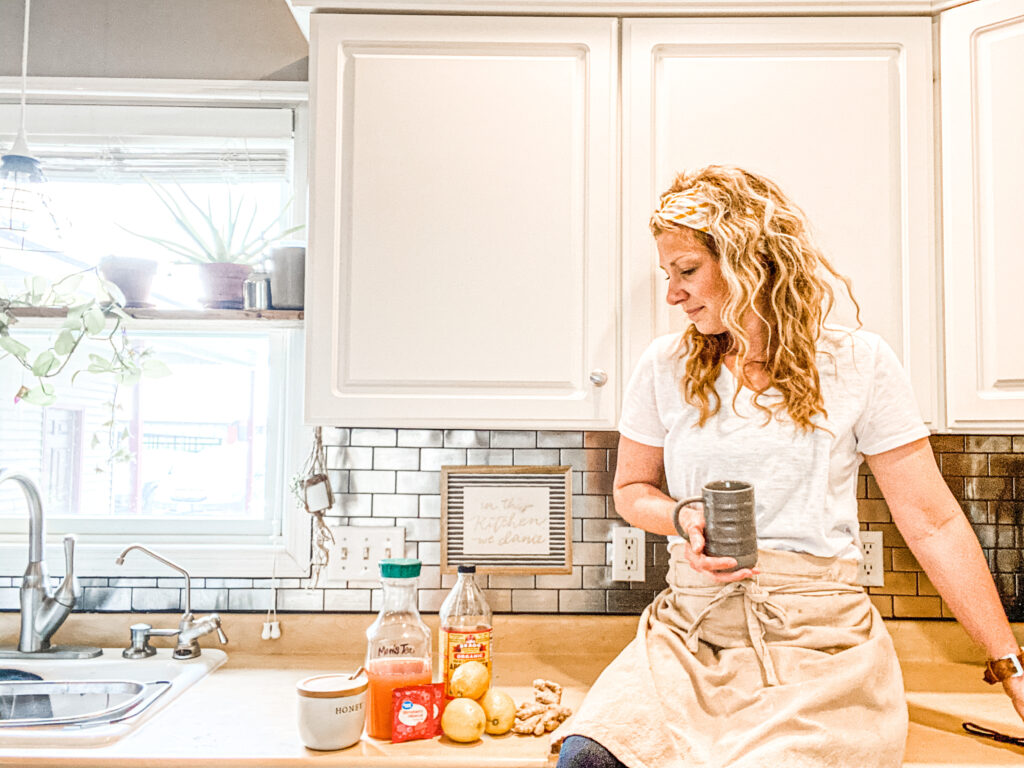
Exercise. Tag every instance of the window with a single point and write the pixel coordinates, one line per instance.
(198, 463)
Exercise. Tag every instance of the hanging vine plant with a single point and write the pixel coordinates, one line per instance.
(100, 318)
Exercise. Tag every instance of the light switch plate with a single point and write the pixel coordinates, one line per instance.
(357, 552)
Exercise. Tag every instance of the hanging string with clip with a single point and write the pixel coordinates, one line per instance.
(271, 626)
(317, 497)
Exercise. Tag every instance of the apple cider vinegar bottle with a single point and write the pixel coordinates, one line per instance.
(466, 627)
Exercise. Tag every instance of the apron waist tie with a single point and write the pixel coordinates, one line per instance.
(759, 610)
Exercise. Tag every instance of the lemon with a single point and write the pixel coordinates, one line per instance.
(469, 680)
(500, 711)
(463, 720)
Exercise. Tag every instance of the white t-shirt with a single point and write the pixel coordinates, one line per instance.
(805, 484)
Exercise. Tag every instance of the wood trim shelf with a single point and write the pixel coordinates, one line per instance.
(174, 314)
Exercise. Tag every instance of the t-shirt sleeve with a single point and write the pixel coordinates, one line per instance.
(640, 420)
(891, 417)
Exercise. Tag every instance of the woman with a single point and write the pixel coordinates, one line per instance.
(787, 663)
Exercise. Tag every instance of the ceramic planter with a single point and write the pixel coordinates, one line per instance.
(222, 284)
(133, 276)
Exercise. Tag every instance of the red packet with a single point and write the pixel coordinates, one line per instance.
(416, 712)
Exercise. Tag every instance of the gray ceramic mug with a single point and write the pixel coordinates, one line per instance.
(729, 526)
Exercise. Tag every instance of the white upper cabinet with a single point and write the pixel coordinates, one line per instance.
(982, 60)
(838, 112)
(463, 266)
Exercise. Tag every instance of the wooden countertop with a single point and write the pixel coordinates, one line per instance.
(244, 714)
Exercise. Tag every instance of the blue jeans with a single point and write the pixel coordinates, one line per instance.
(581, 752)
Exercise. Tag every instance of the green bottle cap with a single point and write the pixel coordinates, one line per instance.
(400, 568)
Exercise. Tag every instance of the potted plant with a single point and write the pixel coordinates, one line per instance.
(132, 275)
(224, 246)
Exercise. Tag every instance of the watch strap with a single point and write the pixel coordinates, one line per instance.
(1011, 665)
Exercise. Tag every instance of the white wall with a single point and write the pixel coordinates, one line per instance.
(208, 39)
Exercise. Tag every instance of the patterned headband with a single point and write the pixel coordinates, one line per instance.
(688, 209)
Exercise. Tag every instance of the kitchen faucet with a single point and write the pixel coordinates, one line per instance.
(42, 613)
(189, 628)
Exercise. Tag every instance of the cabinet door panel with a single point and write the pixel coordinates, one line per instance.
(464, 229)
(837, 111)
(983, 206)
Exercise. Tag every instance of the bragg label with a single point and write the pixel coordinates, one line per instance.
(460, 647)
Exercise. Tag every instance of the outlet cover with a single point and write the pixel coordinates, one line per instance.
(356, 553)
(871, 573)
(628, 554)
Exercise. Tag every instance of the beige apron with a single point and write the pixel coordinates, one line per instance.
(793, 668)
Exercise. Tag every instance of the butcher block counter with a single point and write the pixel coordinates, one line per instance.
(244, 714)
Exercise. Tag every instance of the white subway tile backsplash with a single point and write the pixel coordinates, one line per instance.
(371, 481)
(430, 506)
(396, 458)
(132, 582)
(432, 459)
(106, 599)
(346, 599)
(559, 439)
(500, 600)
(300, 599)
(156, 599)
(541, 457)
(513, 439)
(421, 529)
(209, 599)
(589, 553)
(573, 580)
(395, 505)
(588, 506)
(510, 581)
(388, 477)
(353, 504)
(581, 601)
(466, 438)
(534, 601)
(375, 437)
(489, 457)
(421, 438)
(418, 482)
(249, 600)
(348, 457)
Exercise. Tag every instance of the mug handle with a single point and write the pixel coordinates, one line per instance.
(675, 515)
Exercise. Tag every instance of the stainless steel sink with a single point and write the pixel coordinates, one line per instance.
(25, 703)
(70, 703)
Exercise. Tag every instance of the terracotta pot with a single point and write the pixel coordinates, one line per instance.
(222, 284)
(133, 276)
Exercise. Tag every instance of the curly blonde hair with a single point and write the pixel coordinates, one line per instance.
(772, 268)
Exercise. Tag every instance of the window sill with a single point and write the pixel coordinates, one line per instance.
(147, 313)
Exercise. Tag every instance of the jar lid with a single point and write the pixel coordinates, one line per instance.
(400, 568)
(467, 569)
(332, 686)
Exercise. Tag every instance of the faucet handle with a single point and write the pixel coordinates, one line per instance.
(220, 632)
(70, 590)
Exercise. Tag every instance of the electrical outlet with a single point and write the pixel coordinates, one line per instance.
(871, 573)
(627, 554)
(357, 552)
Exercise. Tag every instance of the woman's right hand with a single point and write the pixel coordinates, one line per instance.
(691, 521)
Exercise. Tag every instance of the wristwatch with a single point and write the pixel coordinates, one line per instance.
(1005, 667)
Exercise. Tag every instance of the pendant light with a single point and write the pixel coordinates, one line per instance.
(27, 218)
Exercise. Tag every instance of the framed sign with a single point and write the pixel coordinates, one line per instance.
(506, 519)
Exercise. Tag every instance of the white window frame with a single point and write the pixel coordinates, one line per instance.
(286, 551)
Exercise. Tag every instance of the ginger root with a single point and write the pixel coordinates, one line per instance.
(544, 713)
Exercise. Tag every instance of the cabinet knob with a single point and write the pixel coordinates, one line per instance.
(598, 377)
